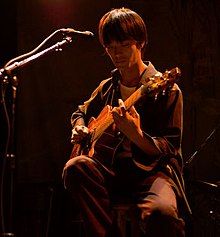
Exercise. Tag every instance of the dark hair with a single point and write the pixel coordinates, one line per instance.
(122, 24)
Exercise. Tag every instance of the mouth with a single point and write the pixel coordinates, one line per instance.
(120, 62)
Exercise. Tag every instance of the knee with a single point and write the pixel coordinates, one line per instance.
(163, 213)
(77, 162)
(152, 208)
(82, 170)
(74, 169)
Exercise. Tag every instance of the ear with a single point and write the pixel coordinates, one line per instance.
(106, 51)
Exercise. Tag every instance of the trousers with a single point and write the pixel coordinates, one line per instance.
(96, 187)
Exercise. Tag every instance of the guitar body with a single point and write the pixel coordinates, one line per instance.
(102, 149)
(102, 144)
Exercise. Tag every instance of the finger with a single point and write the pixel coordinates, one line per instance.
(74, 136)
(115, 113)
(121, 103)
(80, 129)
(73, 141)
(85, 130)
(133, 112)
(76, 140)
(122, 107)
(74, 133)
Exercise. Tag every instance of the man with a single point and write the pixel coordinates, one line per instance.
(145, 161)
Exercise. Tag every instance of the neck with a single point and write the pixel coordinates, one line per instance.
(132, 76)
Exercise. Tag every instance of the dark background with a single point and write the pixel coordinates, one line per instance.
(181, 33)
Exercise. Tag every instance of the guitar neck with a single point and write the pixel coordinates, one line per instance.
(131, 100)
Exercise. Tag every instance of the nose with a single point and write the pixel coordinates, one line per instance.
(117, 52)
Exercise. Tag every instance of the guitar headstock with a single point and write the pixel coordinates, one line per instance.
(160, 83)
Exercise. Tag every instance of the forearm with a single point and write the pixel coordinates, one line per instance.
(77, 117)
(80, 122)
(146, 143)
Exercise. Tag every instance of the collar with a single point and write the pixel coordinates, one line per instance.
(149, 72)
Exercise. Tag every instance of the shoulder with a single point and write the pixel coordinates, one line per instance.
(175, 96)
(176, 89)
(104, 83)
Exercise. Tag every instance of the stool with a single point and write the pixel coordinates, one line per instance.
(125, 216)
(127, 220)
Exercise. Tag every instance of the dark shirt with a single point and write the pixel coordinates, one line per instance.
(161, 122)
(161, 119)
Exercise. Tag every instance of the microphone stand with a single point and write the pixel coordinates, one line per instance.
(7, 78)
(192, 157)
(212, 187)
(55, 47)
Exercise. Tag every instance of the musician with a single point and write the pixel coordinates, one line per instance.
(144, 165)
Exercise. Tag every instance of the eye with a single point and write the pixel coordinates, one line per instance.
(125, 44)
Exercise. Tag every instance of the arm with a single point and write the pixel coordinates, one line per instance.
(128, 122)
(81, 117)
(166, 140)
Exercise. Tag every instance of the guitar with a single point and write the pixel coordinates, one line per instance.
(99, 137)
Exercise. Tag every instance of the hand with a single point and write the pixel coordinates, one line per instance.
(127, 121)
(79, 132)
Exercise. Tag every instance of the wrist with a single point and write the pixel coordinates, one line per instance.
(79, 122)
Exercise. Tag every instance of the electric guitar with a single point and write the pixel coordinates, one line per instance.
(105, 143)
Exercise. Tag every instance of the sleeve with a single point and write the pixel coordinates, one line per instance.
(171, 135)
(168, 127)
(80, 116)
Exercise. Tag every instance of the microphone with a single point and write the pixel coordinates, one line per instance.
(77, 32)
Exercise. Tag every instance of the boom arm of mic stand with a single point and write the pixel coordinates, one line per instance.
(55, 47)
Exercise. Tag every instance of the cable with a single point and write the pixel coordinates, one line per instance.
(5, 157)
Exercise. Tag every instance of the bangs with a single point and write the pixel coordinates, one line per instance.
(120, 26)
(116, 30)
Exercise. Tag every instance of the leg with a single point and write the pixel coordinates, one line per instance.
(159, 213)
(86, 180)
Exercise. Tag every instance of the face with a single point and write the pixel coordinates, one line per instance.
(124, 54)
